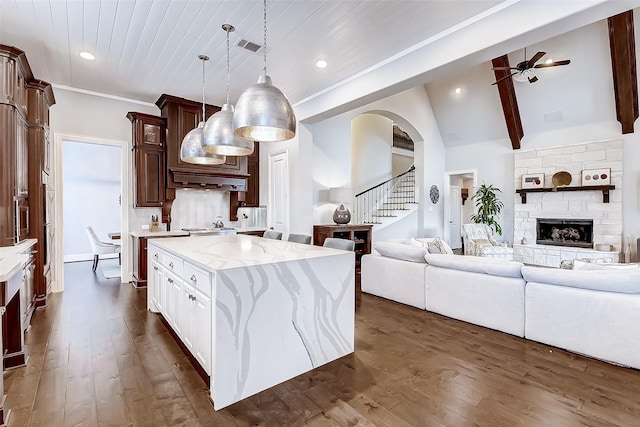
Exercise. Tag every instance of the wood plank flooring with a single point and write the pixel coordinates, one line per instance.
(99, 358)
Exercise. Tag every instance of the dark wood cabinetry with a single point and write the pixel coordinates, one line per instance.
(149, 148)
(360, 234)
(14, 193)
(251, 197)
(182, 116)
(41, 190)
(140, 261)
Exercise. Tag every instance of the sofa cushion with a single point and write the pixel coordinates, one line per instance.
(495, 267)
(401, 251)
(607, 279)
(439, 244)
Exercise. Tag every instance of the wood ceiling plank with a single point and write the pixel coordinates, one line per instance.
(509, 102)
(623, 65)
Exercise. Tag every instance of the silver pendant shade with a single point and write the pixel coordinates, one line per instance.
(263, 113)
(191, 150)
(219, 137)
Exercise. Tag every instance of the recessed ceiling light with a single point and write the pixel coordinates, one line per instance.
(458, 90)
(548, 61)
(321, 63)
(87, 55)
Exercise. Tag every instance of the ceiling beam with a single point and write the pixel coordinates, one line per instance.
(623, 64)
(508, 100)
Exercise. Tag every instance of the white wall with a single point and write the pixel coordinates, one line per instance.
(494, 163)
(90, 117)
(400, 163)
(324, 148)
(91, 179)
(371, 141)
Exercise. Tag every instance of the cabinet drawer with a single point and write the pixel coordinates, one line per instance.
(198, 278)
(156, 254)
(172, 263)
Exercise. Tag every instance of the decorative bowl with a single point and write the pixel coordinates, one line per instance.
(561, 179)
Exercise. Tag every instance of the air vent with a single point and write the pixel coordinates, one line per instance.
(246, 44)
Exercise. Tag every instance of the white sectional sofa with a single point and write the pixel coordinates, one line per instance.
(484, 291)
(591, 312)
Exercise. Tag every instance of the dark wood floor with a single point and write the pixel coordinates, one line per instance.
(98, 357)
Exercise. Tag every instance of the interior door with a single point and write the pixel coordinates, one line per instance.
(455, 204)
(278, 207)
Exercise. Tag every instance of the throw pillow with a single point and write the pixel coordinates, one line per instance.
(400, 251)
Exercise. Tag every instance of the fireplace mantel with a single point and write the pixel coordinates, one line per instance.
(604, 188)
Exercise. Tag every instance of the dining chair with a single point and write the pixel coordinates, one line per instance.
(335, 243)
(98, 247)
(271, 234)
(299, 238)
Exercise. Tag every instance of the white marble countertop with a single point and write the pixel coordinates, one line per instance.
(240, 250)
(147, 233)
(12, 258)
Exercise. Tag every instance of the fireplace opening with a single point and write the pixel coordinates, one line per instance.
(565, 232)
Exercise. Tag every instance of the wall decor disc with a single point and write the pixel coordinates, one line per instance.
(434, 194)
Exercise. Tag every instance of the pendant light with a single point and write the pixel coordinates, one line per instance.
(191, 150)
(219, 137)
(263, 112)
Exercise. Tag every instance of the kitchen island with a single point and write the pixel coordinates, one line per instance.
(253, 312)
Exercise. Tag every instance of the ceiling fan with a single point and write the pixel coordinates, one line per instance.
(525, 70)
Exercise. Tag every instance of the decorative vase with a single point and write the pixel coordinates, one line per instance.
(523, 241)
(341, 215)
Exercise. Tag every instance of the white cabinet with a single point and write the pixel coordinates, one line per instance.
(173, 304)
(197, 322)
(202, 322)
(155, 287)
(181, 292)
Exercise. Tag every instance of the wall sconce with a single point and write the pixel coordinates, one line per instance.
(464, 192)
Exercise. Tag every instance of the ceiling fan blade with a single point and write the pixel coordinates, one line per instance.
(554, 64)
(532, 79)
(535, 59)
(504, 68)
(503, 78)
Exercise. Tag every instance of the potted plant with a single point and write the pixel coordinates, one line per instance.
(488, 206)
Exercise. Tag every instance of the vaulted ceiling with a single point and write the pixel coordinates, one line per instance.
(145, 48)
(580, 94)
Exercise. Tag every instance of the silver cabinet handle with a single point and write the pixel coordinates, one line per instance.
(155, 255)
(170, 280)
(194, 278)
(171, 264)
(155, 268)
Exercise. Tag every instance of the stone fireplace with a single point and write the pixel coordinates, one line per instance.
(555, 224)
(576, 233)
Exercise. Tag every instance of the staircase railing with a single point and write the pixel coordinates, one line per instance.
(382, 200)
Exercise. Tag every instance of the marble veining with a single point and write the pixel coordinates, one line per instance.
(237, 250)
(282, 319)
(279, 308)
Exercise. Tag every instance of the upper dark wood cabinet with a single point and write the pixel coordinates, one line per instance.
(149, 148)
(15, 73)
(41, 192)
(251, 197)
(182, 116)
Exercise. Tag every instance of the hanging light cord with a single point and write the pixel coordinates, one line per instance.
(264, 69)
(204, 58)
(228, 66)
